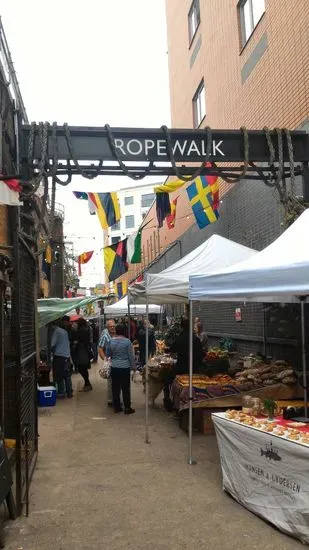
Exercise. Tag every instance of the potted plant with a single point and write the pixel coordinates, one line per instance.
(270, 408)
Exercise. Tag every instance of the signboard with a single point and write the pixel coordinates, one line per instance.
(144, 145)
(238, 317)
(267, 474)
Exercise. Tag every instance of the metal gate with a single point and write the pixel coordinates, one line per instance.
(25, 314)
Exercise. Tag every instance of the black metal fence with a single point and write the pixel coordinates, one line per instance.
(23, 379)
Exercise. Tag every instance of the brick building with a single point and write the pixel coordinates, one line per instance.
(231, 64)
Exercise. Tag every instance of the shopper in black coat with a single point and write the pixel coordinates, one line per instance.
(83, 352)
(181, 347)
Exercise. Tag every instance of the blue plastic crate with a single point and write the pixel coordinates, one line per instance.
(47, 396)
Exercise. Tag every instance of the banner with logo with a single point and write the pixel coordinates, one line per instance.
(268, 475)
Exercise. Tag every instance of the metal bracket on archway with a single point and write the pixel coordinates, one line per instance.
(137, 146)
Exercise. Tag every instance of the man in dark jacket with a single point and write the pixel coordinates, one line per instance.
(181, 347)
(141, 338)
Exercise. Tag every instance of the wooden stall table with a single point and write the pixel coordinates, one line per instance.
(268, 474)
(229, 396)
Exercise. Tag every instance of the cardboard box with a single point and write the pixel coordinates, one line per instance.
(202, 420)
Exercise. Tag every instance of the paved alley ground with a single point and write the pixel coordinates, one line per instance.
(98, 486)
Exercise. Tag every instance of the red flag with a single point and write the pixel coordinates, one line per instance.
(213, 182)
(170, 220)
(83, 259)
(14, 185)
(138, 280)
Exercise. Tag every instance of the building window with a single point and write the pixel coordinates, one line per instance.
(130, 222)
(147, 200)
(194, 19)
(116, 226)
(128, 201)
(251, 12)
(199, 105)
(115, 240)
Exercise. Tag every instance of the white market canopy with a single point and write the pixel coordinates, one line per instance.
(121, 308)
(172, 285)
(279, 273)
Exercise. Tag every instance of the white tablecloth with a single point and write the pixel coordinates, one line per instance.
(265, 473)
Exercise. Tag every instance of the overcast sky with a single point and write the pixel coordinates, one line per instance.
(90, 63)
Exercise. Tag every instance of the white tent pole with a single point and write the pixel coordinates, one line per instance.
(146, 376)
(304, 361)
(191, 461)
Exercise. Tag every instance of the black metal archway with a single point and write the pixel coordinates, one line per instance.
(137, 152)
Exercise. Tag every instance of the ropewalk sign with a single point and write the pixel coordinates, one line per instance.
(151, 145)
(50, 150)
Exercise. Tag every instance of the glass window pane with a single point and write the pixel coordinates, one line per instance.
(147, 199)
(202, 103)
(258, 8)
(129, 222)
(116, 227)
(191, 26)
(128, 201)
(199, 105)
(247, 19)
(194, 18)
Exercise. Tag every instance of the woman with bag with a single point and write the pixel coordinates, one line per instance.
(120, 352)
(82, 352)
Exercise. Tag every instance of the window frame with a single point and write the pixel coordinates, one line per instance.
(116, 226)
(126, 223)
(195, 4)
(153, 196)
(129, 203)
(242, 19)
(201, 87)
(115, 237)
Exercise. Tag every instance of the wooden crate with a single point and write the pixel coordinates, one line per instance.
(202, 421)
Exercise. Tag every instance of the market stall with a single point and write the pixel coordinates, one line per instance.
(172, 284)
(51, 309)
(265, 468)
(224, 391)
(121, 308)
(159, 368)
(271, 457)
(271, 275)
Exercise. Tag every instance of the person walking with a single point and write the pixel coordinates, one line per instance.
(141, 338)
(108, 333)
(82, 352)
(60, 347)
(95, 339)
(120, 351)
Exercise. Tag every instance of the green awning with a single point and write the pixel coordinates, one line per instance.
(51, 309)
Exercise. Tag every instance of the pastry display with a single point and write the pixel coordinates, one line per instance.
(287, 430)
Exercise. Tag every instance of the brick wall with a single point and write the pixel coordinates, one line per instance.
(274, 93)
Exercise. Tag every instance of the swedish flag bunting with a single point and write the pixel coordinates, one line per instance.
(203, 195)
